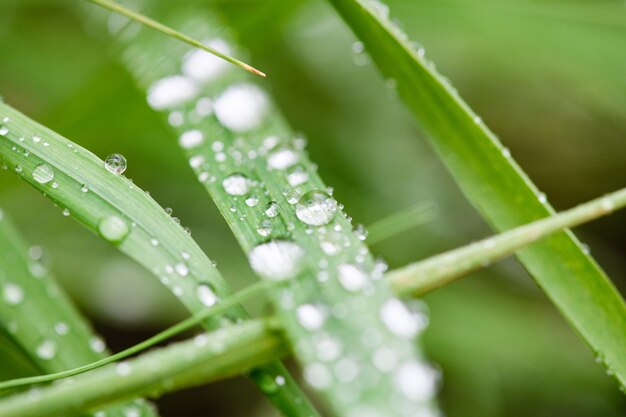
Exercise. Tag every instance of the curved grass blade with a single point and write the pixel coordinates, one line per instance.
(221, 354)
(495, 184)
(439, 270)
(246, 156)
(40, 319)
(146, 21)
(130, 219)
(176, 329)
(401, 221)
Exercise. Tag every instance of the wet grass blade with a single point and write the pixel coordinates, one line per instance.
(495, 184)
(223, 353)
(256, 170)
(127, 217)
(421, 277)
(39, 317)
(146, 21)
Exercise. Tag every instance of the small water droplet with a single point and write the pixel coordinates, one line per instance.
(282, 158)
(61, 328)
(123, 369)
(316, 208)
(236, 184)
(241, 107)
(361, 232)
(191, 139)
(318, 376)
(297, 175)
(271, 210)
(97, 345)
(542, 198)
(84, 188)
(171, 91)
(36, 138)
(13, 294)
(264, 228)
(47, 350)
(277, 259)
(196, 161)
(416, 380)
(181, 269)
(252, 201)
(4, 129)
(351, 277)
(399, 319)
(206, 295)
(43, 174)
(310, 316)
(113, 229)
(115, 163)
(66, 212)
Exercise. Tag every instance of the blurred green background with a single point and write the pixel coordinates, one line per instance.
(549, 77)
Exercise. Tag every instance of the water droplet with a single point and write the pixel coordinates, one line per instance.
(204, 106)
(84, 188)
(399, 319)
(361, 232)
(206, 295)
(123, 369)
(61, 328)
(113, 229)
(318, 376)
(154, 242)
(265, 228)
(4, 129)
(252, 201)
(36, 138)
(241, 107)
(13, 294)
(416, 381)
(18, 169)
(277, 259)
(316, 208)
(46, 350)
(542, 198)
(66, 212)
(203, 66)
(282, 158)
(181, 269)
(43, 174)
(310, 316)
(271, 210)
(115, 163)
(351, 277)
(191, 139)
(196, 161)
(175, 119)
(171, 91)
(97, 345)
(236, 184)
(297, 175)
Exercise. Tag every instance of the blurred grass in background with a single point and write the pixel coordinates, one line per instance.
(547, 76)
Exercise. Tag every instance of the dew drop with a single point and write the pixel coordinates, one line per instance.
(271, 210)
(66, 212)
(316, 208)
(203, 66)
(196, 161)
(265, 228)
(297, 176)
(13, 294)
(282, 158)
(310, 316)
(206, 295)
(236, 184)
(84, 188)
(47, 350)
(97, 345)
(123, 369)
(191, 139)
(113, 229)
(36, 138)
(416, 381)
(241, 107)
(4, 129)
(277, 259)
(61, 328)
(351, 277)
(252, 201)
(171, 91)
(115, 163)
(181, 269)
(318, 376)
(43, 174)
(399, 319)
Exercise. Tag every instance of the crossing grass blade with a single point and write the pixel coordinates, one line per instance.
(495, 184)
(40, 319)
(127, 217)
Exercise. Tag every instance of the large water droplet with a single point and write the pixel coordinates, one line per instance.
(241, 107)
(416, 381)
(236, 184)
(115, 163)
(113, 229)
(171, 91)
(203, 66)
(43, 174)
(316, 208)
(277, 259)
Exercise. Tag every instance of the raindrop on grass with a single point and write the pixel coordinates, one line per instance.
(316, 208)
(115, 163)
(43, 174)
(271, 210)
(4, 129)
(47, 350)
(13, 294)
(113, 229)
(206, 295)
(277, 259)
(236, 184)
(282, 158)
(264, 228)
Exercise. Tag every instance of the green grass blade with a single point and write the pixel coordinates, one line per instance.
(223, 353)
(146, 21)
(434, 272)
(130, 219)
(176, 329)
(495, 184)
(39, 317)
(401, 221)
(257, 172)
